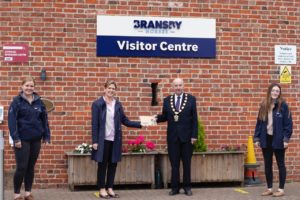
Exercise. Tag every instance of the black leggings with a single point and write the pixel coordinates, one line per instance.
(268, 159)
(26, 157)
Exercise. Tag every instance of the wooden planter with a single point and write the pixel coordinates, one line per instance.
(208, 167)
(135, 168)
(81, 170)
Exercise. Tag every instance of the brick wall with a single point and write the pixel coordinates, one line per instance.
(62, 39)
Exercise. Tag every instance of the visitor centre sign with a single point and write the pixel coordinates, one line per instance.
(136, 36)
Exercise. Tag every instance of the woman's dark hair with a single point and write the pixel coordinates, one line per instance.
(267, 102)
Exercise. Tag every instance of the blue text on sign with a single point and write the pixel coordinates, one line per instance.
(157, 24)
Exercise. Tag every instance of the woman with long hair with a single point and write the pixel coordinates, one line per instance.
(273, 131)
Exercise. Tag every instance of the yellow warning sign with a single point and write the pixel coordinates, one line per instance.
(285, 74)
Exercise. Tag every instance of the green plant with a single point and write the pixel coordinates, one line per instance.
(199, 145)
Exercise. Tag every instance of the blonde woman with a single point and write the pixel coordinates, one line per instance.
(107, 119)
(28, 125)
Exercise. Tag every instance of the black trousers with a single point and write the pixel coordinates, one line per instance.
(268, 160)
(26, 157)
(106, 169)
(180, 151)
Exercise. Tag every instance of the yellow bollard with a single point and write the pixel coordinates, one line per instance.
(250, 159)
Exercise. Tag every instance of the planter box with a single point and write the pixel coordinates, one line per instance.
(208, 167)
(135, 168)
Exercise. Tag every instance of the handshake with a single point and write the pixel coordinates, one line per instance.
(148, 120)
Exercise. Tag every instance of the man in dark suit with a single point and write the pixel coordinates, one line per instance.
(180, 111)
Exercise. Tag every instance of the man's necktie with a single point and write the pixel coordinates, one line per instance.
(177, 103)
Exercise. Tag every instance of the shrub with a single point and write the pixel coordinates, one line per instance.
(199, 145)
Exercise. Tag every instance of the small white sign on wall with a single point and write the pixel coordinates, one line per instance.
(1, 114)
(285, 54)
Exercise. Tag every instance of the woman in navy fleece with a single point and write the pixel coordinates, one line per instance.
(273, 131)
(28, 125)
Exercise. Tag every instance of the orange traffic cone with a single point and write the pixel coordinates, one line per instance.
(251, 177)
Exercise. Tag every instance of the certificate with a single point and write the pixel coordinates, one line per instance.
(147, 120)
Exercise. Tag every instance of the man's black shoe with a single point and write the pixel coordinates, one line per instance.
(173, 192)
(188, 192)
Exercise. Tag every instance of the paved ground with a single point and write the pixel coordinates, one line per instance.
(213, 193)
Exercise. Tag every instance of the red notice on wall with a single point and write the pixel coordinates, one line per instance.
(15, 52)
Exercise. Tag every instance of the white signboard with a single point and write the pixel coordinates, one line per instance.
(285, 54)
(136, 36)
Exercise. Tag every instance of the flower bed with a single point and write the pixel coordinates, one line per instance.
(139, 145)
(83, 148)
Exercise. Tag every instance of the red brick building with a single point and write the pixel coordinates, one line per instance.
(61, 36)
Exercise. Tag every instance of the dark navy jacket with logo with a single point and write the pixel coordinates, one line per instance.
(282, 127)
(28, 121)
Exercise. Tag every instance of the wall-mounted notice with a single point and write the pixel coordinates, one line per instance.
(285, 54)
(136, 36)
(15, 52)
(1, 113)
